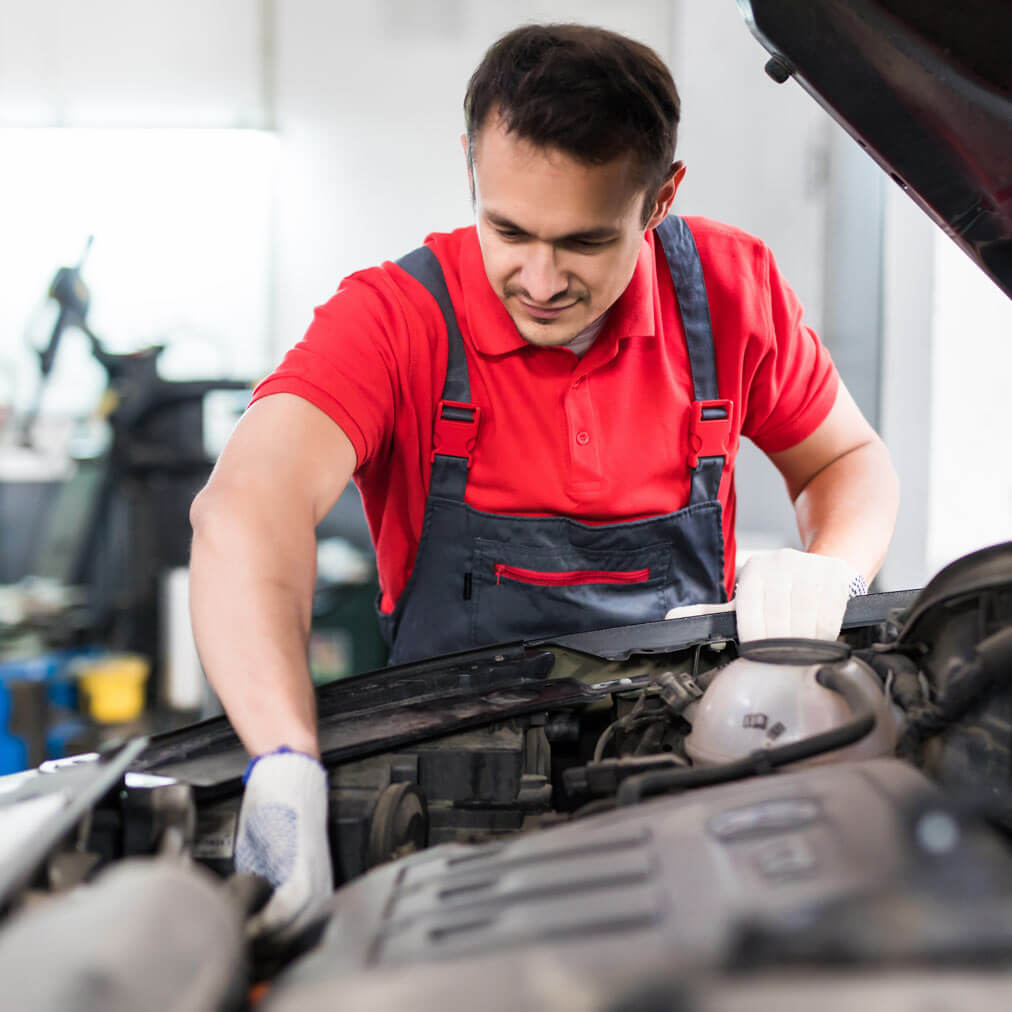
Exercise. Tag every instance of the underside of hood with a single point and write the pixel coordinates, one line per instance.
(925, 86)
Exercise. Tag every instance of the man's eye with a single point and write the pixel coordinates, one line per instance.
(508, 233)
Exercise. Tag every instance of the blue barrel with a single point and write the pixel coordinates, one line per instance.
(54, 670)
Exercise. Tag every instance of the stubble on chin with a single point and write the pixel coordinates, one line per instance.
(547, 333)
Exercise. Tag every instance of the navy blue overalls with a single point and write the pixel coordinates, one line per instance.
(483, 578)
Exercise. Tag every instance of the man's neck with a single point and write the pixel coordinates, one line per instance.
(587, 336)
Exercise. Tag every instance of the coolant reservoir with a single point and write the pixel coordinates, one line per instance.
(755, 704)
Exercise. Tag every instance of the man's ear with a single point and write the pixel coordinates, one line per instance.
(470, 166)
(666, 194)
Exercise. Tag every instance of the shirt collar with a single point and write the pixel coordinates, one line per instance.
(632, 315)
(492, 329)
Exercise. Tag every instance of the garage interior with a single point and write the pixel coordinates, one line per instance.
(602, 821)
(183, 183)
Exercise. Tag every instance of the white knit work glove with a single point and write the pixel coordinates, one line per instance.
(282, 836)
(791, 593)
(691, 610)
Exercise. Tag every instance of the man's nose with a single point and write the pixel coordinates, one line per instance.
(540, 275)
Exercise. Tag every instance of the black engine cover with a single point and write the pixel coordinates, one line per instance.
(593, 907)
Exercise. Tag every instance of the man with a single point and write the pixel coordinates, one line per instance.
(542, 414)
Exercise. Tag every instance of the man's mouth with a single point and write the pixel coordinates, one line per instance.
(546, 312)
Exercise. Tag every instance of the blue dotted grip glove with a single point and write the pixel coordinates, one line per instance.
(282, 836)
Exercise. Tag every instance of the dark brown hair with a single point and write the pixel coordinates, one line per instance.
(589, 92)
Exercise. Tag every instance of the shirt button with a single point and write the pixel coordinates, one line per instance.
(583, 438)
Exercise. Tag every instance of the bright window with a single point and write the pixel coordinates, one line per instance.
(183, 223)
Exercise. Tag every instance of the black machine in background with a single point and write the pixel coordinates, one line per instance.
(123, 519)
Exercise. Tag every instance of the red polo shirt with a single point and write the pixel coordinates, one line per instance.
(601, 439)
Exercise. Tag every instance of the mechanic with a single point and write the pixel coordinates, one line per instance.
(542, 413)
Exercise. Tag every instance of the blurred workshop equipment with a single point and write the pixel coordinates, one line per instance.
(122, 519)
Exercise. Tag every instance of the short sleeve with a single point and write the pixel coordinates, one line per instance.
(795, 382)
(347, 364)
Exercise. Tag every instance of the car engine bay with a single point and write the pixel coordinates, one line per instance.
(581, 824)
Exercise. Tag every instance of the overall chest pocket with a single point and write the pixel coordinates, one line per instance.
(527, 591)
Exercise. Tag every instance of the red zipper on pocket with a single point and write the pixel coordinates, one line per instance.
(570, 578)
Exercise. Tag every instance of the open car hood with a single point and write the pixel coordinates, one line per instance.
(925, 86)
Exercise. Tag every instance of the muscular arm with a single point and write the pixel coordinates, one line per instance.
(253, 567)
(844, 488)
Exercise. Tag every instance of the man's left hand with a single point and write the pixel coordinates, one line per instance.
(791, 593)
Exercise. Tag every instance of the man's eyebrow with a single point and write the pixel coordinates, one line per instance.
(587, 235)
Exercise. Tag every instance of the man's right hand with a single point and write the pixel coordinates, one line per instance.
(282, 836)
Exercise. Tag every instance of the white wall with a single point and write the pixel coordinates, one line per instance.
(907, 368)
(131, 62)
(971, 419)
(757, 157)
(946, 416)
(755, 151)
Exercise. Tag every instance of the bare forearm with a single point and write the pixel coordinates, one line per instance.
(251, 602)
(848, 510)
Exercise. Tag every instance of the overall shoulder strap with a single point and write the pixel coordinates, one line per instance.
(710, 418)
(455, 428)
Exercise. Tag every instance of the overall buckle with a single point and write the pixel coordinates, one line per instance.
(709, 430)
(456, 430)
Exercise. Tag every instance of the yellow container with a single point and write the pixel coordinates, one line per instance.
(113, 687)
